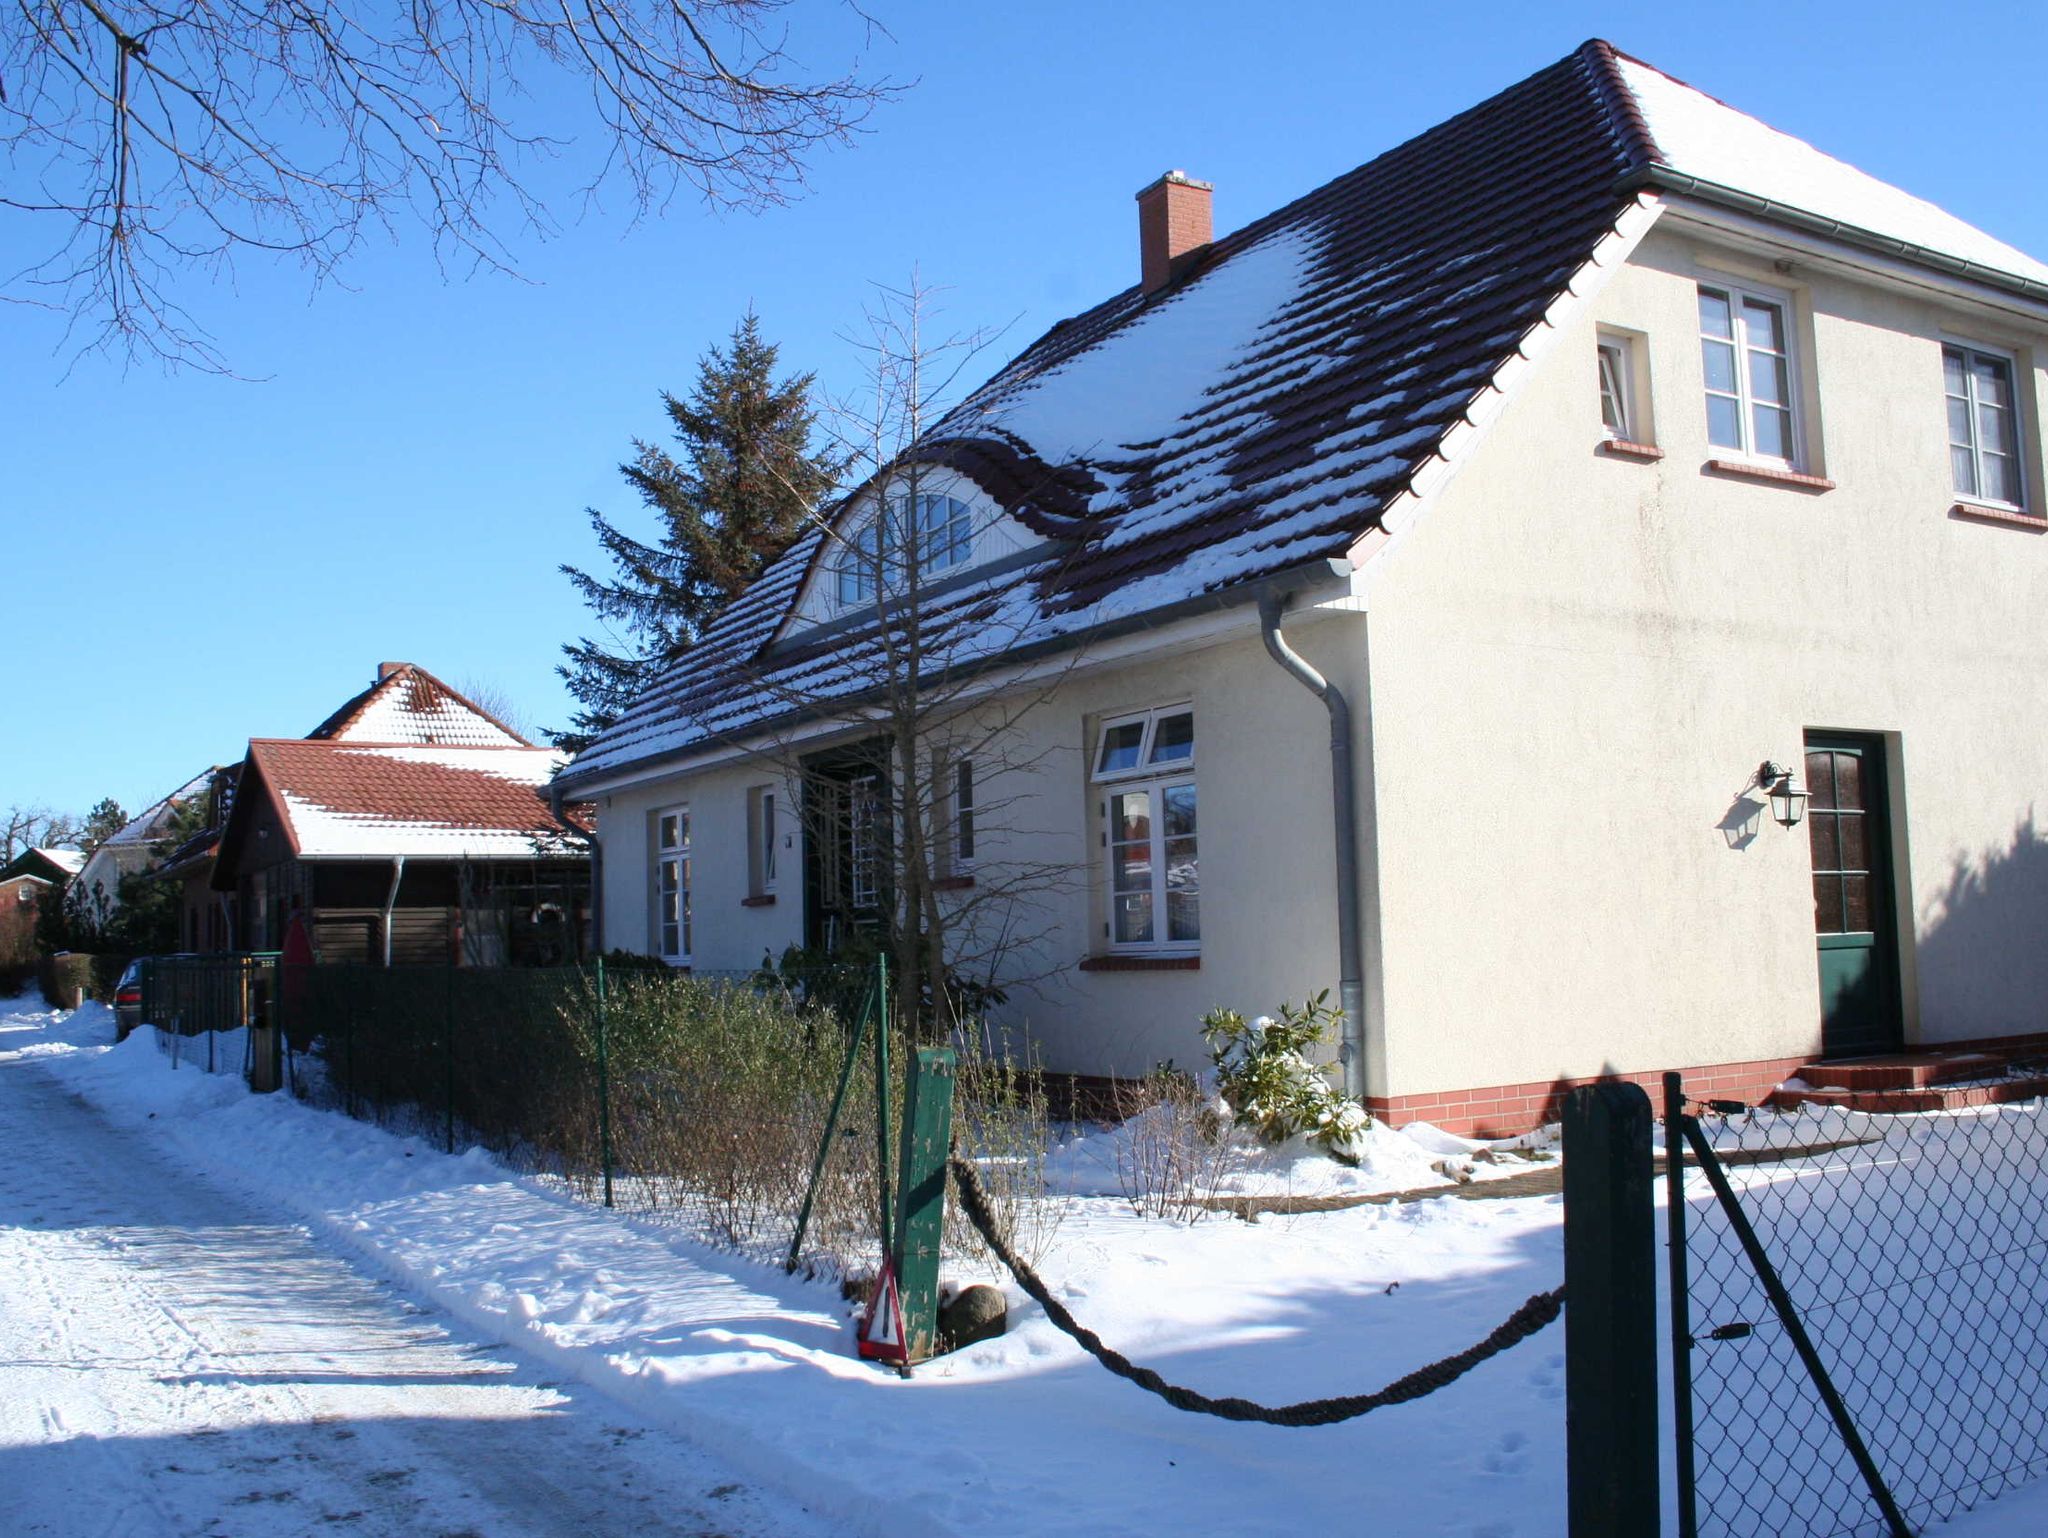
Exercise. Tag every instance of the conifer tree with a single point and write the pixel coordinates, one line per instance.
(741, 487)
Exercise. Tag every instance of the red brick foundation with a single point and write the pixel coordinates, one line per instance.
(1507, 1110)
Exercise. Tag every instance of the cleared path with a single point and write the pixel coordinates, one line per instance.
(172, 1364)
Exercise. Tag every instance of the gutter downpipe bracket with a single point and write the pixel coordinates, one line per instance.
(1344, 829)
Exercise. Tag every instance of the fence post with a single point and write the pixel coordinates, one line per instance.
(1681, 1307)
(604, 1084)
(921, 1196)
(448, 1055)
(882, 1137)
(803, 1216)
(1610, 1342)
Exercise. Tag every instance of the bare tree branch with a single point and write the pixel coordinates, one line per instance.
(156, 139)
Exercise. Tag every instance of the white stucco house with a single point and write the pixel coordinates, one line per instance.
(1585, 469)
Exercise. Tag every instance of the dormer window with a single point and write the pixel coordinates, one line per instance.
(939, 528)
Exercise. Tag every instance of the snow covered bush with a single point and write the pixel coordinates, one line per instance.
(1172, 1147)
(1273, 1087)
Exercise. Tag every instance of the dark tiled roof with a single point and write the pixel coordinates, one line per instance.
(1339, 338)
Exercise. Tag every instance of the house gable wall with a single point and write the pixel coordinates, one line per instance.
(1577, 660)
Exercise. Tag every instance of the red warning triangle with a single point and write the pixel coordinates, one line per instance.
(881, 1328)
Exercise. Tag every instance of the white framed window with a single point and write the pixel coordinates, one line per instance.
(1751, 382)
(764, 834)
(1983, 424)
(1617, 388)
(1150, 742)
(962, 791)
(864, 839)
(1150, 830)
(940, 528)
(672, 885)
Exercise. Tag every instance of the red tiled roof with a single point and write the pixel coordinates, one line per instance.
(409, 704)
(379, 800)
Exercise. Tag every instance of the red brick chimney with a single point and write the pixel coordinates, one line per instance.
(386, 669)
(1174, 225)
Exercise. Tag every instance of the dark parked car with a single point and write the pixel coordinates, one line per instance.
(128, 1001)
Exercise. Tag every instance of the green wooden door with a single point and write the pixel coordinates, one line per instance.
(1848, 824)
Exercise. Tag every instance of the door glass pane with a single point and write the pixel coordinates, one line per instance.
(1827, 904)
(1183, 914)
(1952, 378)
(1130, 816)
(1132, 920)
(1130, 867)
(1855, 841)
(1716, 318)
(1826, 841)
(1820, 780)
(1178, 808)
(1856, 905)
(1849, 780)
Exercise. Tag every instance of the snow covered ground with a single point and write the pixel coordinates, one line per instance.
(184, 1272)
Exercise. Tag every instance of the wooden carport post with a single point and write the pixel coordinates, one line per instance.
(1610, 1320)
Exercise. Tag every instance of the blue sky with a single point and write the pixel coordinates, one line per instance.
(191, 561)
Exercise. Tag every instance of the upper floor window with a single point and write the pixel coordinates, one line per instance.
(1746, 351)
(1617, 393)
(938, 529)
(1983, 425)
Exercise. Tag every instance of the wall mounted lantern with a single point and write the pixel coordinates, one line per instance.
(1787, 796)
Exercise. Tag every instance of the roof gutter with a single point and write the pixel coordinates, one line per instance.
(1344, 836)
(589, 839)
(1323, 572)
(1668, 179)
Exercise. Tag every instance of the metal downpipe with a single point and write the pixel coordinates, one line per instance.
(589, 840)
(391, 903)
(1344, 830)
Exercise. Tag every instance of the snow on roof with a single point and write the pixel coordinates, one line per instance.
(71, 860)
(150, 825)
(1261, 414)
(1703, 137)
(409, 704)
(350, 799)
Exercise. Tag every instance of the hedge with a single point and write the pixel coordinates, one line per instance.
(69, 978)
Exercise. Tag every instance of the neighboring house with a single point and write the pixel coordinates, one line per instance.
(27, 881)
(133, 848)
(1599, 447)
(410, 827)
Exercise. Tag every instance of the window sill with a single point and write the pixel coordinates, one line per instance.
(758, 900)
(1742, 469)
(1623, 448)
(2011, 517)
(1119, 962)
(953, 884)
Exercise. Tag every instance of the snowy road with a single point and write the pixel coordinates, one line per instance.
(172, 1364)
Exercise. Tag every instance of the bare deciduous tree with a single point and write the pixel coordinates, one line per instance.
(35, 827)
(917, 780)
(153, 137)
